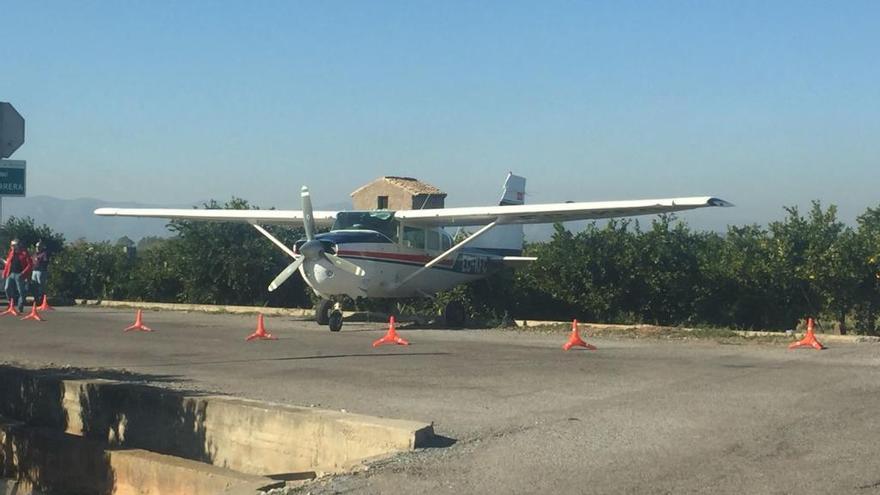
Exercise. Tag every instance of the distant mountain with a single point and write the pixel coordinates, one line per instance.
(75, 218)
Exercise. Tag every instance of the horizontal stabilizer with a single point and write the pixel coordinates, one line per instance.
(517, 261)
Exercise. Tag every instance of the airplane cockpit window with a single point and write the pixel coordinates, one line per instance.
(379, 221)
(414, 237)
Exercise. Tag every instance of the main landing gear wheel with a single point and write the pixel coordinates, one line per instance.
(454, 315)
(322, 311)
(335, 321)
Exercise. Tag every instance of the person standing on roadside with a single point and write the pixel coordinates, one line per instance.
(41, 271)
(18, 268)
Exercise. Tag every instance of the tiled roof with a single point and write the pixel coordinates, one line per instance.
(408, 183)
(412, 185)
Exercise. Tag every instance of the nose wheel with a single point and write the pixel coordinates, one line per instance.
(322, 311)
(335, 321)
(329, 313)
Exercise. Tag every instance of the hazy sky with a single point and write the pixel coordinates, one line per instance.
(761, 103)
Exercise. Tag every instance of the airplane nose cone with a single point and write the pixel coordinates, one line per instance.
(312, 250)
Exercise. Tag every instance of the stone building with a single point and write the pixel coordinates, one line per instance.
(397, 193)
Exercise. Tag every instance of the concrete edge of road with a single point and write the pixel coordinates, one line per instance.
(42, 458)
(182, 438)
(358, 316)
(743, 333)
(205, 308)
(365, 316)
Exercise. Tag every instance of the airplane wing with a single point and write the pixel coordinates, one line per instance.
(551, 212)
(276, 217)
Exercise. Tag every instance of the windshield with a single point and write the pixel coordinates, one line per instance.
(380, 221)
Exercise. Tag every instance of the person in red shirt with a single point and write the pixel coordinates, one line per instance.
(17, 270)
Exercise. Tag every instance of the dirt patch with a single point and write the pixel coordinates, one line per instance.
(721, 335)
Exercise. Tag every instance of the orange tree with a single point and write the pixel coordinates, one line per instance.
(231, 263)
(28, 233)
(868, 299)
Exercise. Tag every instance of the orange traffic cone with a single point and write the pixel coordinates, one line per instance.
(809, 339)
(44, 306)
(10, 310)
(33, 315)
(261, 332)
(575, 340)
(391, 336)
(139, 324)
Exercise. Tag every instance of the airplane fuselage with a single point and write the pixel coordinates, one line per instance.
(388, 262)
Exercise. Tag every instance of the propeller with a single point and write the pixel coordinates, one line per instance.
(344, 264)
(313, 249)
(286, 273)
(308, 217)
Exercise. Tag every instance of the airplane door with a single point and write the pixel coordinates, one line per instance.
(413, 238)
(433, 242)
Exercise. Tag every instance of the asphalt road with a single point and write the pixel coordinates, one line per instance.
(521, 415)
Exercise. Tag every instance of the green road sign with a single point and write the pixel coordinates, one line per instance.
(12, 178)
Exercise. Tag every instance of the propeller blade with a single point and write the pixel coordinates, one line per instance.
(286, 273)
(346, 265)
(308, 218)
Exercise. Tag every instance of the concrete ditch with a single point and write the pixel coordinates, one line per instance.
(97, 436)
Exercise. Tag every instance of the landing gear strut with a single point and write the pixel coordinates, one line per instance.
(454, 314)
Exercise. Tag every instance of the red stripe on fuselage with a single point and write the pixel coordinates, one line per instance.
(420, 259)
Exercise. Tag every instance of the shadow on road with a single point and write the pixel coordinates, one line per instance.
(298, 358)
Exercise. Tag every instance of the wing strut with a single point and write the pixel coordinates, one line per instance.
(447, 253)
(274, 240)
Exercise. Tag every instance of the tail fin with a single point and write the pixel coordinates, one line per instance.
(507, 240)
(514, 190)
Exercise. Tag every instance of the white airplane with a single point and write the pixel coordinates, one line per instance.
(406, 253)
